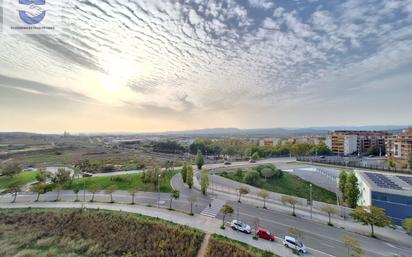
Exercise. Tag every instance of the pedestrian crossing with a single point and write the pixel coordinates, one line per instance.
(214, 208)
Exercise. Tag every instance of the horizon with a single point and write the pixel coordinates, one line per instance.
(156, 66)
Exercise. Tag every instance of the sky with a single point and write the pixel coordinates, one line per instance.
(157, 65)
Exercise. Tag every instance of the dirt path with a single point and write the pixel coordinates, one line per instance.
(203, 247)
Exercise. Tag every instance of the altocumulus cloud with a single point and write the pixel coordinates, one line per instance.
(216, 56)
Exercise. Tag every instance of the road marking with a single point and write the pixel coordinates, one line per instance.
(328, 245)
(320, 252)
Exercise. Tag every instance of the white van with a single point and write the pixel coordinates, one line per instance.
(292, 243)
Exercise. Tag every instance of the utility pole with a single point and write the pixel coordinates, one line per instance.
(311, 201)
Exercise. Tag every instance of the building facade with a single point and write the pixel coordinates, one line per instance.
(399, 147)
(393, 193)
(347, 142)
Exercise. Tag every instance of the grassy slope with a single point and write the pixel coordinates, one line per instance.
(22, 179)
(91, 233)
(223, 246)
(290, 185)
(123, 182)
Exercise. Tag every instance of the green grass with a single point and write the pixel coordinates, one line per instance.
(289, 184)
(123, 182)
(21, 178)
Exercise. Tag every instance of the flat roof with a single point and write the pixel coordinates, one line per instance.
(390, 183)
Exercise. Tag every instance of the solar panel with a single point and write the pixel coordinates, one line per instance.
(408, 180)
(383, 181)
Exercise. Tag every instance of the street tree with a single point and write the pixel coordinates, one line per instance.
(43, 175)
(133, 192)
(93, 189)
(86, 167)
(292, 201)
(296, 233)
(14, 188)
(62, 177)
(353, 246)
(58, 188)
(110, 190)
(352, 190)
(199, 160)
(192, 199)
(255, 156)
(330, 210)
(204, 181)
(184, 172)
(264, 195)
(76, 190)
(227, 210)
(391, 163)
(152, 175)
(11, 169)
(242, 190)
(407, 225)
(372, 216)
(342, 184)
(174, 195)
(189, 176)
(38, 188)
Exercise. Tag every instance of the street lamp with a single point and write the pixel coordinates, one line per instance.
(311, 201)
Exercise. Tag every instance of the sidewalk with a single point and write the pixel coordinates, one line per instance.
(208, 225)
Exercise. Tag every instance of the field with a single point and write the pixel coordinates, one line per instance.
(123, 182)
(92, 233)
(288, 184)
(223, 246)
(22, 179)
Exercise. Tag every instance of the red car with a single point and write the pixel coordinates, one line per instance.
(252, 161)
(265, 234)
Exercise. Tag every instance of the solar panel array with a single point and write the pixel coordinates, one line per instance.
(383, 181)
(406, 179)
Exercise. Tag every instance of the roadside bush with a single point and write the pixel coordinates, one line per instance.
(251, 177)
(121, 179)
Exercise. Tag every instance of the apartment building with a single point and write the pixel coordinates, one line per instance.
(399, 147)
(346, 142)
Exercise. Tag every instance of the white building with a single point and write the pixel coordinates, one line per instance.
(350, 144)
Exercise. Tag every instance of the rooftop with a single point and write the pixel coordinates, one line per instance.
(398, 184)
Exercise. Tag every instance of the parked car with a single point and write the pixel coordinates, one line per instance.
(292, 243)
(227, 163)
(252, 161)
(87, 175)
(265, 234)
(240, 226)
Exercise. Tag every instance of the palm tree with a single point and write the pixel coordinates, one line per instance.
(174, 195)
(133, 192)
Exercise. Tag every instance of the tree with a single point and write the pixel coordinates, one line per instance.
(61, 177)
(251, 177)
(291, 201)
(352, 190)
(342, 184)
(174, 195)
(199, 160)
(239, 173)
(94, 189)
(189, 176)
(204, 181)
(86, 167)
(58, 188)
(11, 169)
(133, 192)
(391, 164)
(110, 190)
(255, 156)
(353, 246)
(410, 161)
(227, 210)
(407, 225)
(192, 200)
(184, 172)
(295, 232)
(264, 195)
(242, 190)
(43, 176)
(152, 176)
(372, 216)
(330, 210)
(267, 173)
(14, 188)
(38, 189)
(76, 190)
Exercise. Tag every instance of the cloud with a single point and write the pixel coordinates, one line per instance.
(265, 4)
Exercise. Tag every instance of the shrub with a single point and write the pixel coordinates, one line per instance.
(251, 177)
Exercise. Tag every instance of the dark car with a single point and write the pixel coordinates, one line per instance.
(227, 163)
